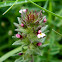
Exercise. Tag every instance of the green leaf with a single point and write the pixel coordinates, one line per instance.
(44, 45)
(7, 55)
(19, 20)
(20, 42)
(19, 59)
(17, 42)
(59, 24)
(44, 28)
(19, 33)
(46, 4)
(43, 40)
(38, 51)
(54, 50)
(17, 25)
(21, 30)
(42, 20)
(15, 55)
(51, 38)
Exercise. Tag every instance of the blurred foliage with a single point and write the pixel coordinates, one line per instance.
(53, 52)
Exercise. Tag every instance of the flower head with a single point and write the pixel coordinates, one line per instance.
(41, 35)
(30, 33)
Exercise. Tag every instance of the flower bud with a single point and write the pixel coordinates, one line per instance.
(45, 20)
(20, 53)
(39, 44)
(41, 13)
(39, 31)
(22, 10)
(18, 36)
(22, 25)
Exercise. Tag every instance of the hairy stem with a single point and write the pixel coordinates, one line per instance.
(9, 8)
(46, 10)
(57, 32)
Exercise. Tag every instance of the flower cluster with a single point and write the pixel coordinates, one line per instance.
(30, 31)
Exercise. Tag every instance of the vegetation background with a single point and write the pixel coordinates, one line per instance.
(53, 53)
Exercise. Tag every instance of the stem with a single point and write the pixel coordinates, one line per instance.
(7, 55)
(7, 3)
(57, 32)
(50, 9)
(46, 10)
(9, 8)
(32, 58)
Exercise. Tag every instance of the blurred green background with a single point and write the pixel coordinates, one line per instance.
(53, 53)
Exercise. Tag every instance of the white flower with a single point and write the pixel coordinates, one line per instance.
(22, 10)
(41, 35)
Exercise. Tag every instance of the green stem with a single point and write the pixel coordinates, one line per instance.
(46, 10)
(57, 32)
(7, 55)
(50, 9)
(9, 8)
(9, 3)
